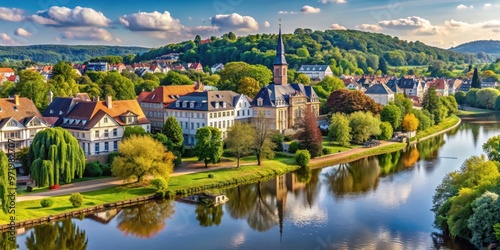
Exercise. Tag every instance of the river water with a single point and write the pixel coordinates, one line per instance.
(380, 202)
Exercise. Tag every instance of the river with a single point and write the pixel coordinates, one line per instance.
(380, 202)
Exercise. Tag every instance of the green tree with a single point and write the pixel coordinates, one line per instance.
(142, 156)
(4, 182)
(492, 148)
(404, 103)
(382, 65)
(263, 145)
(424, 121)
(302, 157)
(133, 130)
(386, 131)
(173, 130)
(303, 78)
(248, 86)
(363, 125)
(486, 213)
(393, 115)
(310, 136)
(55, 155)
(123, 88)
(240, 138)
(331, 83)
(476, 81)
(209, 145)
(7, 89)
(432, 104)
(63, 82)
(176, 78)
(32, 85)
(471, 98)
(340, 129)
(460, 97)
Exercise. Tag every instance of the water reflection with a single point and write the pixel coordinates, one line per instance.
(209, 215)
(355, 177)
(6, 243)
(145, 220)
(63, 235)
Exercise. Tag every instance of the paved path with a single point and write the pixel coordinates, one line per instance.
(183, 169)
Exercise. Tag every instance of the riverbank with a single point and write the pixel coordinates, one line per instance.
(446, 125)
(197, 180)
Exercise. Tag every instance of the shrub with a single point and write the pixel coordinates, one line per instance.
(111, 157)
(29, 188)
(210, 176)
(293, 147)
(178, 158)
(170, 194)
(289, 138)
(76, 199)
(106, 170)
(278, 139)
(302, 157)
(92, 169)
(160, 194)
(159, 183)
(46, 202)
(328, 151)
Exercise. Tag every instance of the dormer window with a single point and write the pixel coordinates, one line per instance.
(65, 120)
(177, 104)
(184, 104)
(191, 104)
(216, 105)
(259, 102)
(224, 104)
(51, 111)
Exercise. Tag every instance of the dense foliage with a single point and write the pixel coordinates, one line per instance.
(76, 199)
(4, 181)
(209, 145)
(350, 101)
(309, 136)
(302, 157)
(340, 130)
(240, 138)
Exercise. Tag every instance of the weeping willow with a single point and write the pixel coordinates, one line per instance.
(4, 180)
(55, 155)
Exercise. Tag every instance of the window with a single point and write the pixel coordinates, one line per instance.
(96, 147)
(187, 125)
(197, 115)
(224, 124)
(105, 120)
(259, 102)
(211, 115)
(106, 146)
(248, 112)
(83, 135)
(198, 125)
(106, 133)
(186, 114)
(219, 125)
(115, 132)
(77, 134)
(268, 113)
(192, 126)
(115, 145)
(238, 113)
(96, 134)
(211, 124)
(203, 124)
(232, 113)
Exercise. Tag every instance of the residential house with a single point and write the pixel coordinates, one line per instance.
(7, 72)
(20, 120)
(283, 104)
(393, 85)
(380, 93)
(441, 85)
(170, 58)
(155, 102)
(97, 66)
(465, 86)
(412, 87)
(489, 82)
(217, 67)
(219, 109)
(194, 66)
(453, 85)
(316, 72)
(97, 125)
(117, 67)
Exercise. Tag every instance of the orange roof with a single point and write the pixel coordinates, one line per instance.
(6, 70)
(167, 94)
(142, 95)
(25, 108)
(439, 83)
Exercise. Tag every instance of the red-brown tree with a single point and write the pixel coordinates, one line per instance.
(310, 136)
(350, 101)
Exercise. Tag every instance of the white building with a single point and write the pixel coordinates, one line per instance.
(97, 125)
(316, 72)
(219, 109)
(20, 120)
(380, 93)
(216, 67)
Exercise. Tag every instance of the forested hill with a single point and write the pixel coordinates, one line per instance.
(311, 47)
(55, 53)
(482, 46)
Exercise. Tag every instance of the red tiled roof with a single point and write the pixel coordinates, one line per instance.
(12, 78)
(165, 94)
(25, 108)
(6, 70)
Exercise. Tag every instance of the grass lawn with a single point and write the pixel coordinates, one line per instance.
(32, 209)
(475, 111)
(446, 123)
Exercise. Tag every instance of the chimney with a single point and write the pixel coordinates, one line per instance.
(96, 98)
(50, 96)
(109, 102)
(16, 100)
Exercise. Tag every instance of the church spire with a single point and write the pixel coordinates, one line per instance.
(280, 50)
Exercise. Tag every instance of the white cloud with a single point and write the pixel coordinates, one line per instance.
(235, 22)
(267, 24)
(87, 33)
(22, 32)
(66, 17)
(415, 24)
(488, 5)
(306, 9)
(461, 7)
(337, 26)
(284, 12)
(151, 21)
(369, 27)
(332, 1)
(6, 39)
(12, 15)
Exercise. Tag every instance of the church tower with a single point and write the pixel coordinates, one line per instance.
(280, 66)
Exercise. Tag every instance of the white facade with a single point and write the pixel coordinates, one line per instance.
(316, 71)
(382, 99)
(22, 134)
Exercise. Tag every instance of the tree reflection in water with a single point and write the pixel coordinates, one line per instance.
(209, 215)
(7, 244)
(62, 235)
(145, 220)
(356, 177)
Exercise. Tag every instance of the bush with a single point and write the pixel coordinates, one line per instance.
(328, 151)
(188, 152)
(387, 131)
(293, 147)
(92, 169)
(160, 194)
(29, 188)
(111, 157)
(278, 139)
(46, 202)
(210, 176)
(302, 157)
(106, 170)
(159, 183)
(289, 138)
(170, 194)
(76, 199)
(178, 158)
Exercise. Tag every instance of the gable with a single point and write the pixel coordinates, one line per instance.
(10, 123)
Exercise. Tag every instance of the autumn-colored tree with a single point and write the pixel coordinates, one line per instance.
(54, 155)
(209, 145)
(248, 86)
(240, 138)
(141, 156)
(4, 181)
(350, 101)
(310, 136)
(145, 220)
(410, 122)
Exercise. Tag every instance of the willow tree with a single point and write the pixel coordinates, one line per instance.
(55, 155)
(4, 181)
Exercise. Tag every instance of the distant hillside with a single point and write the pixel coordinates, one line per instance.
(55, 53)
(350, 49)
(491, 47)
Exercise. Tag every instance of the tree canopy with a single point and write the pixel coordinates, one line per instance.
(240, 138)
(209, 145)
(350, 101)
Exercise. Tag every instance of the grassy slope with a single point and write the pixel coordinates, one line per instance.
(445, 124)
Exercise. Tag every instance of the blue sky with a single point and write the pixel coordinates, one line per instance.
(155, 23)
